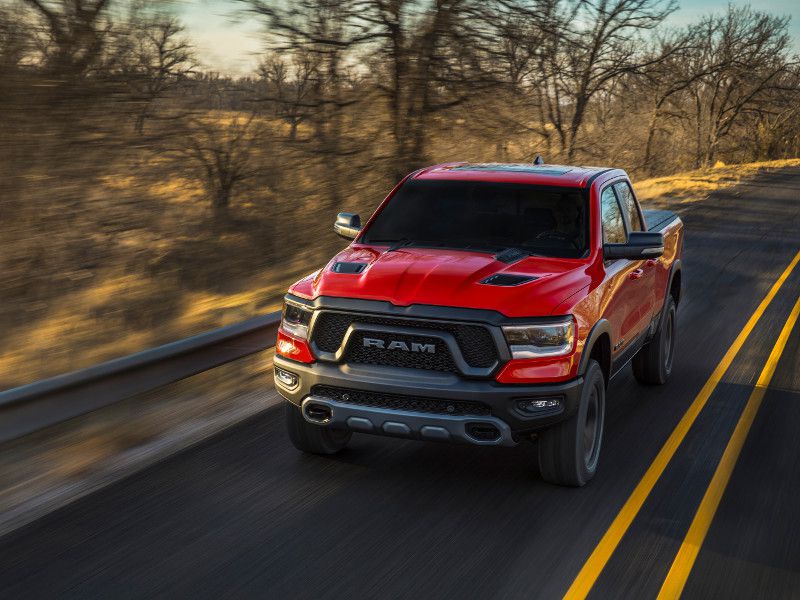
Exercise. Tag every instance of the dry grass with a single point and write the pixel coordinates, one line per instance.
(48, 346)
(149, 268)
(693, 186)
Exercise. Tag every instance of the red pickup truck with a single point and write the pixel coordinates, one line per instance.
(487, 304)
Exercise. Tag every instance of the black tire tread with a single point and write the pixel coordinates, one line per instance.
(311, 438)
(560, 451)
(648, 364)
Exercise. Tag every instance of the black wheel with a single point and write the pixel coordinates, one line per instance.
(568, 452)
(653, 363)
(315, 439)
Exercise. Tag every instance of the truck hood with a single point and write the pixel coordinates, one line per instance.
(447, 277)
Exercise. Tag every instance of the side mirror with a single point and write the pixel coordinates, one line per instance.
(641, 245)
(347, 225)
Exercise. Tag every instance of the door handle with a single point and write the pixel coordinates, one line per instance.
(636, 274)
(651, 262)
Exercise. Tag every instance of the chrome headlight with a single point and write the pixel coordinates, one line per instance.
(547, 338)
(295, 320)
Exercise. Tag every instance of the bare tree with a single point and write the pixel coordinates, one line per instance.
(162, 59)
(751, 49)
(289, 88)
(429, 52)
(15, 38)
(587, 46)
(775, 127)
(326, 32)
(684, 62)
(222, 153)
(77, 30)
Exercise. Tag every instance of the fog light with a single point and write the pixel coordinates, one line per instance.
(538, 405)
(287, 379)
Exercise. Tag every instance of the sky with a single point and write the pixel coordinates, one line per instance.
(227, 38)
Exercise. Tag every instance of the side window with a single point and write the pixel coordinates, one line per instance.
(629, 205)
(613, 226)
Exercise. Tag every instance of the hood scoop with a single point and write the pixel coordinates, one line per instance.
(351, 268)
(507, 279)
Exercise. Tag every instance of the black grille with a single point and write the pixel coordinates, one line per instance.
(401, 402)
(440, 360)
(475, 341)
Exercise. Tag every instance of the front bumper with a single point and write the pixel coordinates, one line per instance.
(481, 430)
(506, 416)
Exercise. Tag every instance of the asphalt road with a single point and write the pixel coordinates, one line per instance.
(245, 515)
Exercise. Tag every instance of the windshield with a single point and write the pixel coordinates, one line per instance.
(480, 215)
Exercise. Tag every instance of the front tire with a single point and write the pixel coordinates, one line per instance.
(311, 438)
(569, 451)
(652, 364)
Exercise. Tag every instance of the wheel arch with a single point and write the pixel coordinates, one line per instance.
(598, 346)
(675, 282)
(674, 289)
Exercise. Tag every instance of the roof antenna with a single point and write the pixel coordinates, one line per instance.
(538, 160)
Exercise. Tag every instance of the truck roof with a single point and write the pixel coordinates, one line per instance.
(556, 175)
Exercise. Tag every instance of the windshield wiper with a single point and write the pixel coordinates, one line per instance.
(399, 244)
(396, 244)
(405, 242)
(393, 244)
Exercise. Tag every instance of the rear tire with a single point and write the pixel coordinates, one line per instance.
(652, 365)
(569, 451)
(311, 438)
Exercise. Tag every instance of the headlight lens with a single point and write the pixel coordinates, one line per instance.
(552, 338)
(295, 320)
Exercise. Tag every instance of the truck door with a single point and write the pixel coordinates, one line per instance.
(634, 222)
(626, 295)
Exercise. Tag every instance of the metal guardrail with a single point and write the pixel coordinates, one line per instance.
(31, 407)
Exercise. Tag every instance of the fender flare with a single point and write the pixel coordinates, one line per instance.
(599, 328)
(674, 270)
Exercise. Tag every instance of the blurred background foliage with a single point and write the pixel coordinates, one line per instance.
(144, 198)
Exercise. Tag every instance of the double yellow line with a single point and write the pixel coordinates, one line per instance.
(676, 579)
(682, 566)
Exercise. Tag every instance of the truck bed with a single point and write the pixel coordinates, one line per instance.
(658, 220)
